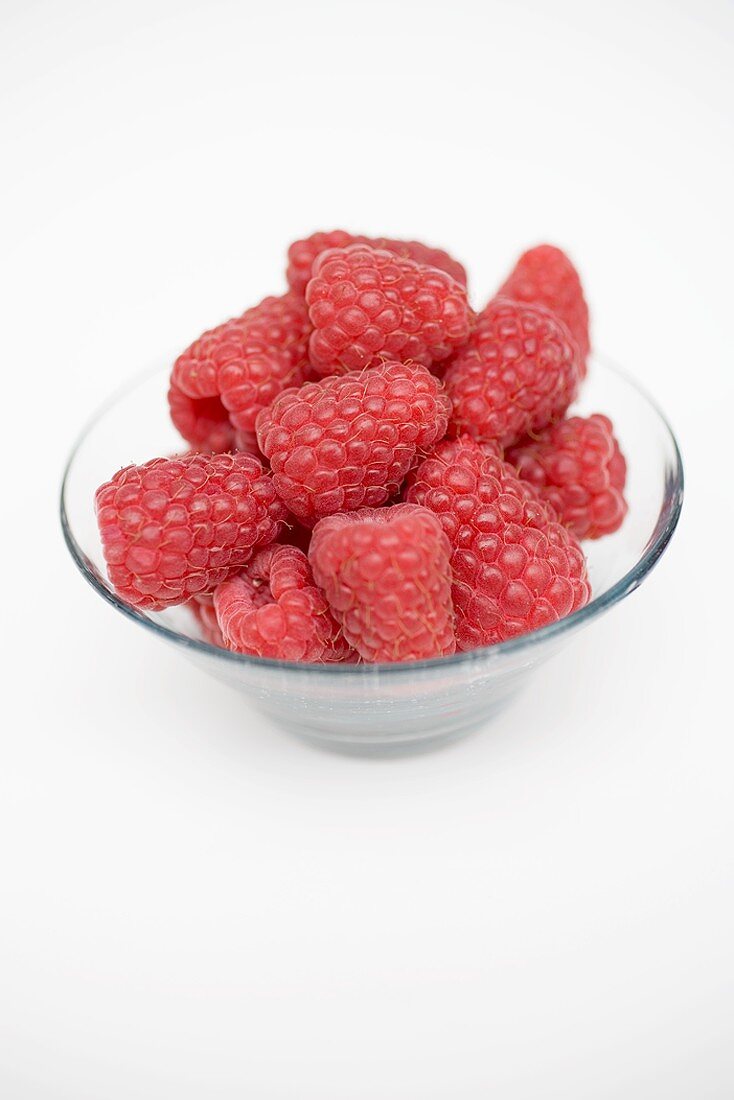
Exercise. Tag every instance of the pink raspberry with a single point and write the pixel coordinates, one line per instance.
(545, 276)
(176, 527)
(515, 567)
(203, 422)
(577, 467)
(348, 442)
(518, 373)
(220, 384)
(273, 609)
(368, 305)
(386, 575)
(202, 608)
(302, 254)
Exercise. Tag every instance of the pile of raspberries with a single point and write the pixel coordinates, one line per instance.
(376, 472)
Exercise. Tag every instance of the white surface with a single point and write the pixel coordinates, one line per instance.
(193, 905)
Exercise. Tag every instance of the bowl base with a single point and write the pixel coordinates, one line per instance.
(371, 746)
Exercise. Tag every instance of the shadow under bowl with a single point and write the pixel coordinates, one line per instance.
(388, 707)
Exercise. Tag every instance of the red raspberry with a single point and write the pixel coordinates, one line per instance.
(178, 526)
(207, 420)
(518, 373)
(202, 608)
(345, 443)
(577, 467)
(301, 255)
(386, 575)
(220, 383)
(515, 567)
(273, 609)
(367, 305)
(545, 275)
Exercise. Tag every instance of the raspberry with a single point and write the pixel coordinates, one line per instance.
(348, 442)
(577, 467)
(518, 373)
(544, 275)
(246, 441)
(386, 575)
(273, 609)
(202, 608)
(367, 305)
(205, 423)
(515, 567)
(221, 382)
(301, 255)
(176, 527)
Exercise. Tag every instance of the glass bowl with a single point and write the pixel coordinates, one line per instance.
(378, 708)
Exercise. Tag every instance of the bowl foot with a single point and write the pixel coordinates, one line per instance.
(370, 745)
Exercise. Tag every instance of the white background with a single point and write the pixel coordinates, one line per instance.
(192, 904)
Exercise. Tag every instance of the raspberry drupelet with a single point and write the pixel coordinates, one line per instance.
(386, 575)
(273, 609)
(515, 567)
(367, 305)
(577, 467)
(176, 527)
(348, 442)
(303, 253)
(223, 380)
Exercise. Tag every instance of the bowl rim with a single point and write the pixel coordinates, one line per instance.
(656, 545)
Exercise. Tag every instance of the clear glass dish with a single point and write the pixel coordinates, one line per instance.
(377, 708)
